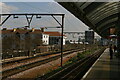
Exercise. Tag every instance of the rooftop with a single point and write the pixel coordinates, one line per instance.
(53, 33)
(21, 31)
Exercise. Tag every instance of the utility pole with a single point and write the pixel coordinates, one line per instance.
(62, 26)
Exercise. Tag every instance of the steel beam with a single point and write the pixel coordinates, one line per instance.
(118, 33)
(62, 40)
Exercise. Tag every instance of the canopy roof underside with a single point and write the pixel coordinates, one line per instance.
(99, 16)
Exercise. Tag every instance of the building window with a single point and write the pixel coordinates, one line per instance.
(70, 40)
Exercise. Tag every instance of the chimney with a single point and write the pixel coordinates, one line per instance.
(42, 29)
(14, 29)
(4, 29)
(33, 29)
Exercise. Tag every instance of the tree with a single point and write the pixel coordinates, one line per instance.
(7, 43)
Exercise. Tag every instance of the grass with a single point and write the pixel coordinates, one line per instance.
(70, 61)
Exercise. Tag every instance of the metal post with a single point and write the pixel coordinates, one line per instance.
(62, 26)
(118, 32)
(29, 19)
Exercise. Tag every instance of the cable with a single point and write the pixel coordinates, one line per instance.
(41, 10)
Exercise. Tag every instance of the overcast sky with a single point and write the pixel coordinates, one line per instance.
(71, 22)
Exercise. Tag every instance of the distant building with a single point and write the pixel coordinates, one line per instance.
(53, 37)
(26, 42)
(75, 37)
(104, 42)
(89, 37)
(26, 39)
(45, 38)
(21, 38)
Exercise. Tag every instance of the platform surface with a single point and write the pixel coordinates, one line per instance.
(104, 68)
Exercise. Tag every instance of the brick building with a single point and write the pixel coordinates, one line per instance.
(21, 38)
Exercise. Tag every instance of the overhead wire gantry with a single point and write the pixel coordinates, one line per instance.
(29, 18)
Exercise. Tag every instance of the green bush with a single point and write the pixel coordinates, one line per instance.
(80, 55)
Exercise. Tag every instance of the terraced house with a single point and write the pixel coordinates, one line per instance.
(21, 38)
(26, 39)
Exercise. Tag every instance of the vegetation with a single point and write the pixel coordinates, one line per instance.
(16, 44)
(71, 61)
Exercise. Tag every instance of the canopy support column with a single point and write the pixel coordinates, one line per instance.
(118, 36)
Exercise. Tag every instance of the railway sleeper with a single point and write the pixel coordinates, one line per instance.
(78, 69)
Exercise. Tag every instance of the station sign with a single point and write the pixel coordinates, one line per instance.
(112, 31)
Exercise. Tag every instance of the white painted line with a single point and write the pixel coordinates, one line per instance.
(91, 67)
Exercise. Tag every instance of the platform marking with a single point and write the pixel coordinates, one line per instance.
(92, 66)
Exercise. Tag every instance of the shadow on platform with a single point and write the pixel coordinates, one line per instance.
(104, 68)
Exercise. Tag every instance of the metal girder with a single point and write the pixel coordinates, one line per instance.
(85, 5)
(73, 8)
(101, 8)
(92, 7)
(107, 26)
(107, 22)
(99, 16)
(2, 22)
(29, 17)
(57, 20)
(106, 19)
(103, 15)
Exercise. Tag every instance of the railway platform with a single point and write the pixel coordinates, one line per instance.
(104, 68)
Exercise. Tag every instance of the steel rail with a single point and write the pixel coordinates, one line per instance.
(19, 69)
(78, 69)
(34, 57)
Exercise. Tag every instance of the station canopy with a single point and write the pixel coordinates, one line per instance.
(99, 16)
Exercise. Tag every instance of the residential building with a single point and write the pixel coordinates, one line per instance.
(29, 39)
(54, 38)
(75, 37)
(45, 39)
(21, 38)
(26, 42)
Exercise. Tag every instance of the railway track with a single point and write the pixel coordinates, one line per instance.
(76, 70)
(29, 58)
(13, 71)
(8, 65)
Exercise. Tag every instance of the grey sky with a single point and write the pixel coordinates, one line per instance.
(27, 0)
(71, 22)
